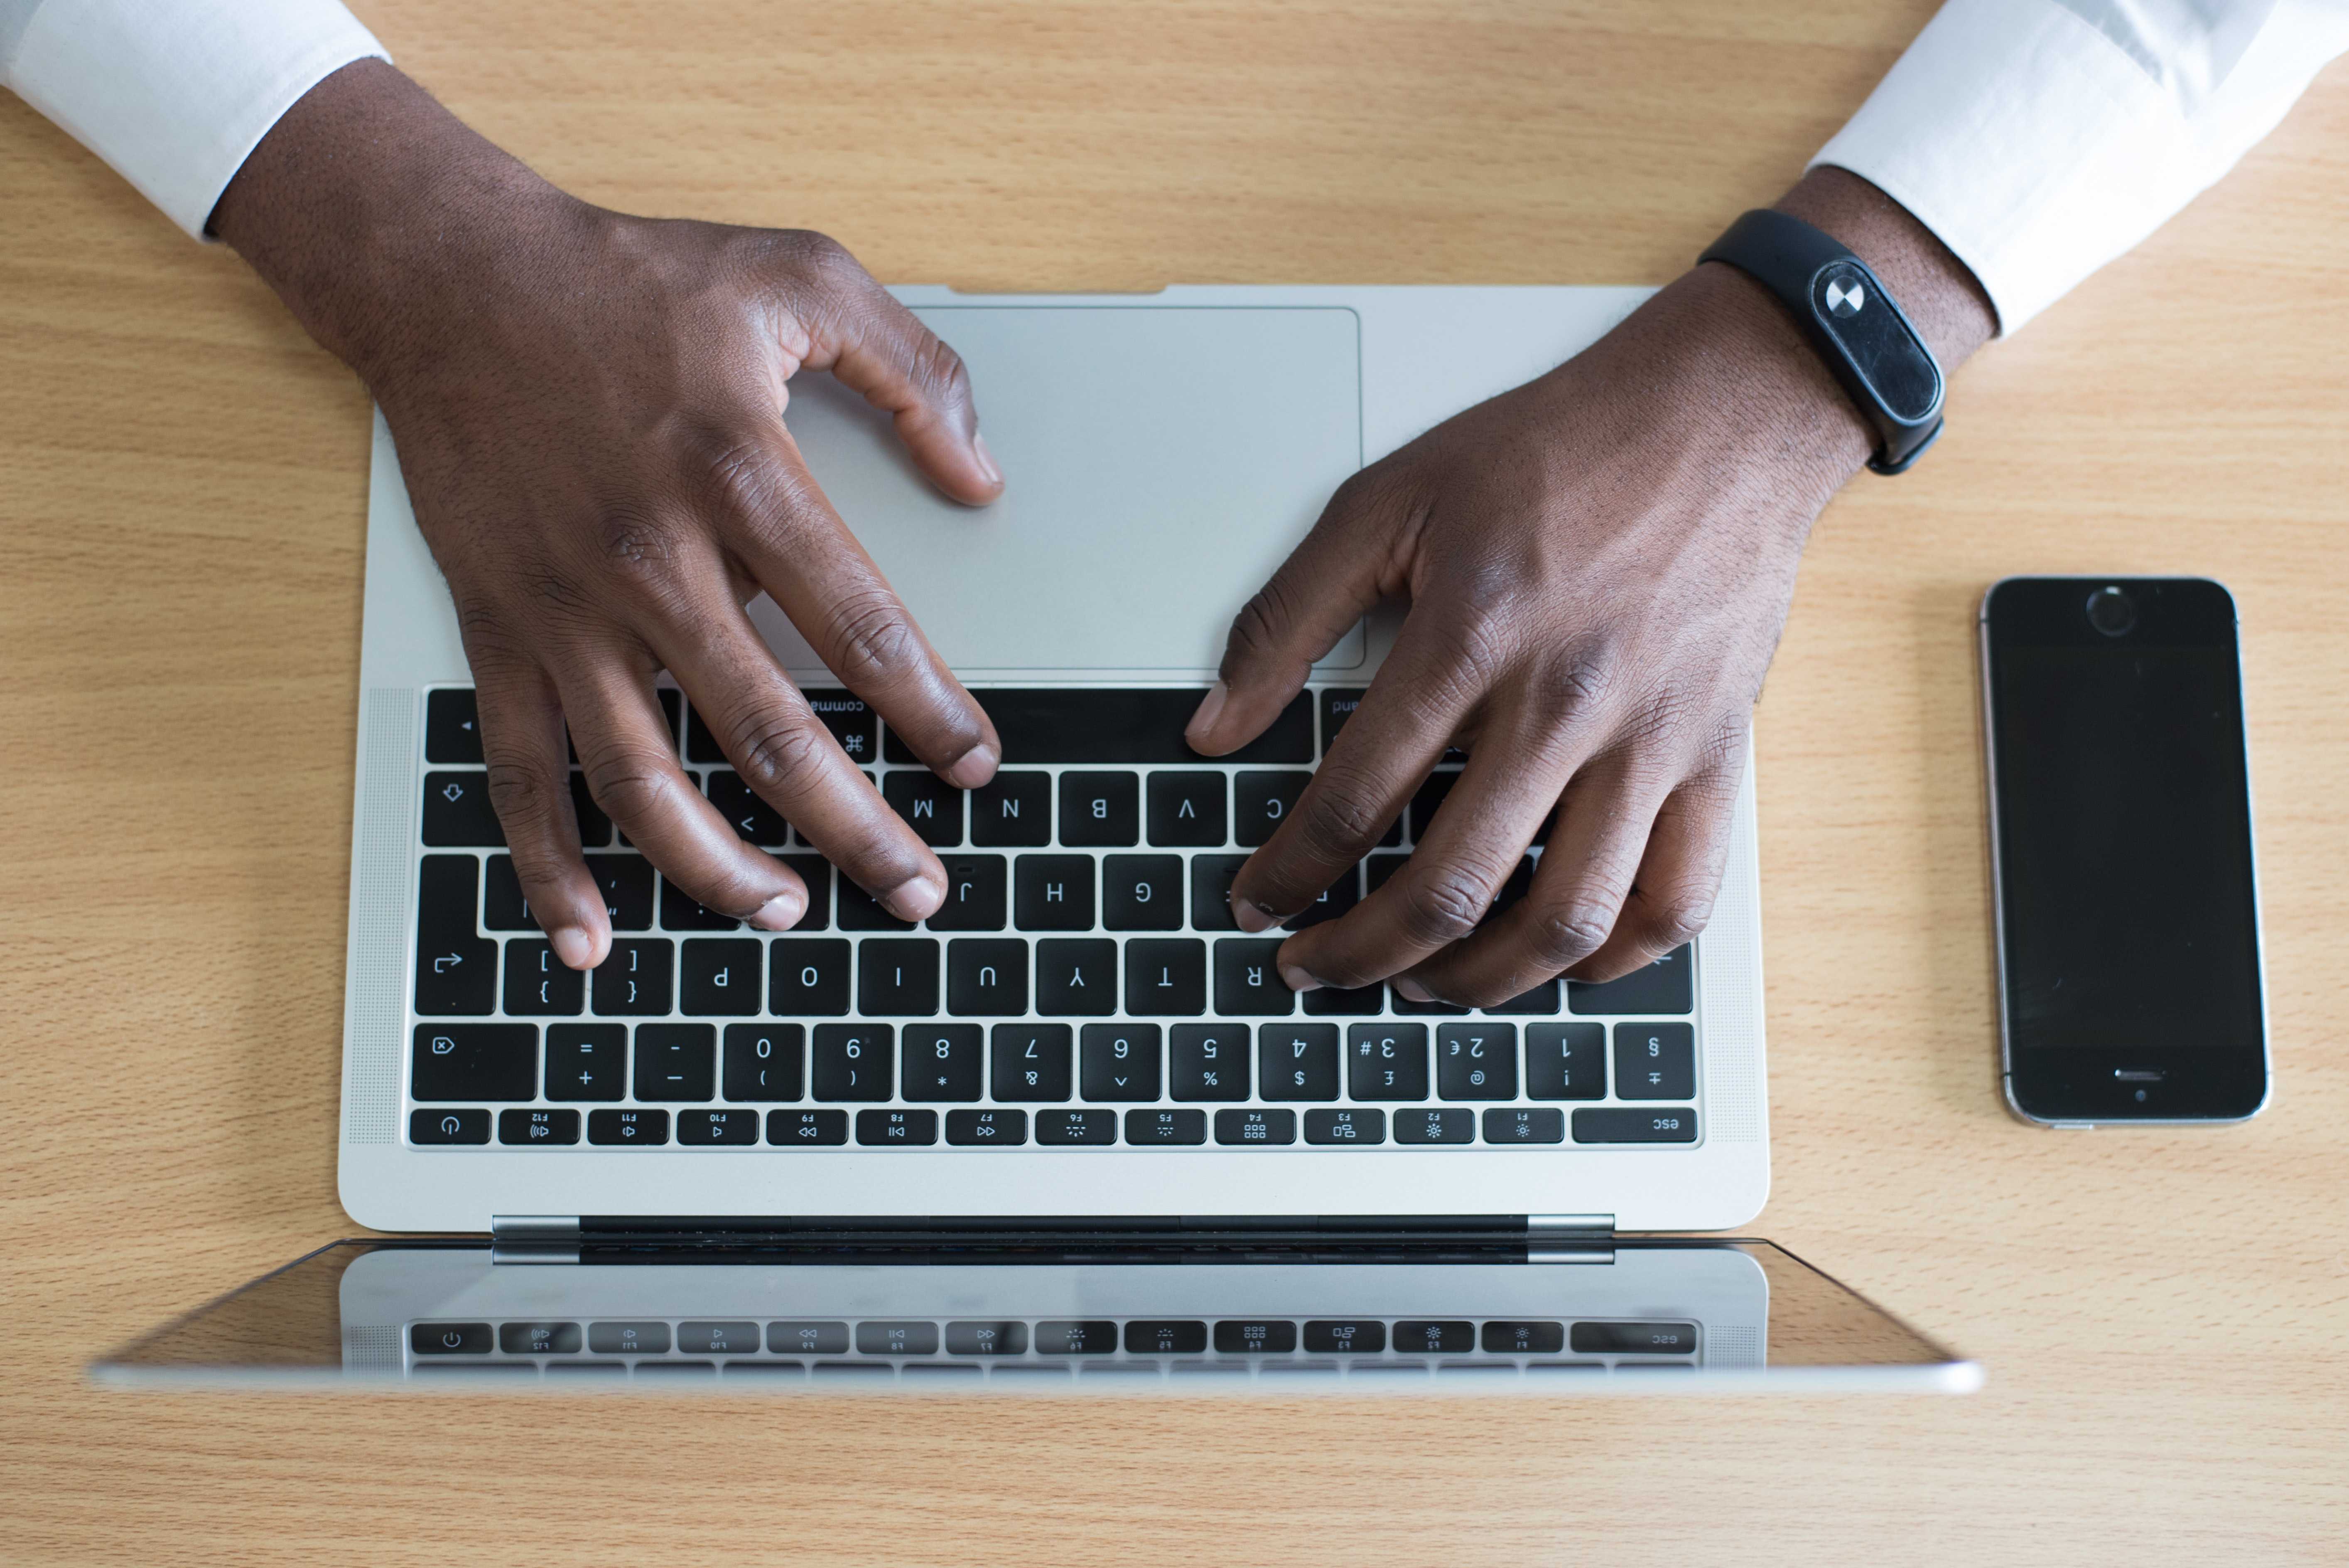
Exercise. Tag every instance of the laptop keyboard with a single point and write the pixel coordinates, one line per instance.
(1084, 984)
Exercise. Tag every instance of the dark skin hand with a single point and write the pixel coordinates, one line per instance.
(1598, 564)
(589, 410)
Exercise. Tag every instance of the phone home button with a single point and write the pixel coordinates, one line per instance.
(2139, 1075)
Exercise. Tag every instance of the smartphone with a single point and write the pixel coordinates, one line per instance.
(2130, 983)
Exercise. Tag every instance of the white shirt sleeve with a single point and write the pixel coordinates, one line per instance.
(175, 94)
(2041, 139)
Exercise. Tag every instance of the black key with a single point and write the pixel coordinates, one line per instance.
(1012, 810)
(897, 1338)
(672, 706)
(1565, 1061)
(1166, 978)
(975, 894)
(628, 1127)
(450, 1339)
(680, 911)
(720, 978)
(1188, 809)
(1110, 726)
(1247, 982)
(1211, 1061)
(539, 985)
(474, 1062)
(815, 871)
(978, 1129)
(1667, 986)
(860, 911)
(627, 882)
(896, 1129)
(1607, 1124)
(538, 1127)
(754, 821)
(807, 1339)
(1076, 979)
(717, 1338)
(1406, 1008)
(1386, 1061)
(1634, 1338)
(986, 1338)
(676, 1061)
(1211, 891)
(930, 806)
(941, 1062)
(1539, 1002)
(1348, 1125)
(1032, 1061)
(1434, 1336)
(1053, 892)
(850, 719)
(987, 977)
(1655, 1061)
(806, 1128)
(1165, 1336)
(1264, 801)
(594, 827)
(1297, 1061)
(1516, 1339)
(457, 814)
(1476, 1061)
(1379, 868)
(628, 1338)
(1362, 1001)
(1141, 892)
(1344, 1337)
(739, 1125)
(1098, 809)
(1433, 1126)
(1338, 705)
(764, 1061)
(1055, 1336)
(852, 1061)
(1256, 1127)
(1119, 1062)
(1076, 1127)
(1518, 1125)
(700, 744)
(455, 971)
(452, 729)
(586, 1061)
(897, 977)
(1513, 890)
(634, 978)
(808, 979)
(1254, 1336)
(539, 1338)
(1427, 800)
(436, 1124)
(503, 908)
(1332, 901)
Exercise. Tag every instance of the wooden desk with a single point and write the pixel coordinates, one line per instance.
(181, 495)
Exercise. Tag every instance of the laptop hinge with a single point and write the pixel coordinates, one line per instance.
(1569, 1238)
(534, 1238)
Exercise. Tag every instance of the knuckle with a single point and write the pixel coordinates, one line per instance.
(1563, 935)
(778, 752)
(734, 478)
(872, 640)
(1440, 906)
(523, 797)
(629, 786)
(636, 550)
(1258, 629)
(937, 367)
(1476, 648)
(1345, 817)
(1678, 918)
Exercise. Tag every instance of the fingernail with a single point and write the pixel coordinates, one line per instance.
(1413, 990)
(985, 459)
(1252, 916)
(1297, 979)
(781, 912)
(916, 898)
(976, 767)
(1211, 709)
(573, 945)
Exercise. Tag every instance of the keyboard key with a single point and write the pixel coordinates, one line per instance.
(1076, 1127)
(450, 1339)
(734, 1126)
(437, 1124)
(1188, 809)
(1331, 1002)
(1090, 1338)
(645, 1128)
(1256, 1127)
(628, 1338)
(1517, 1339)
(540, 986)
(1634, 1338)
(1210, 1061)
(815, 873)
(1444, 1336)
(538, 1127)
(1476, 1061)
(1263, 801)
(1053, 892)
(539, 1338)
(474, 1062)
(1667, 986)
(452, 729)
(503, 908)
(1166, 1127)
(764, 1061)
(1254, 1336)
(1032, 1061)
(627, 882)
(1332, 901)
(680, 911)
(853, 1062)
(1247, 982)
(634, 979)
(1105, 725)
(1338, 705)
(457, 814)
(801, 1337)
(808, 979)
(1119, 1062)
(676, 1061)
(1297, 1061)
(752, 820)
(1163, 1336)
(987, 978)
(1565, 1061)
(930, 806)
(586, 1061)
(1076, 979)
(941, 1062)
(1539, 1002)
(1519, 1125)
(980, 1128)
(455, 971)
(898, 1129)
(1166, 978)
(860, 911)
(976, 898)
(897, 1338)
(1654, 1061)
(1386, 1061)
(1379, 868)
(1607, 1124)
(1143, 893)
(1348, 1125)
(806, 1128)
(1408, 1009)
(850, 721)
(717, 1338)
(1427, 800)
(594, 827)
(720, 978)
(1344, 1337)
(1098, 808)
(1433, 1126)
(1211, 891)
(897, 977)
(1013, 810)
(986, 1338)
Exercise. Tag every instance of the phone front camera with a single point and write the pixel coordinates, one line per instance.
(2111, 612)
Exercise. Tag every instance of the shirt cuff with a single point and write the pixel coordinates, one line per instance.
(176, 96)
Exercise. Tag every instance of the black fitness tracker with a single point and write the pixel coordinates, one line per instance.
(1852, 320)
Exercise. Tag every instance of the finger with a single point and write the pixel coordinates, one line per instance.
(529, 781)
(632, 770)
(1341, 568)
(1679, 876)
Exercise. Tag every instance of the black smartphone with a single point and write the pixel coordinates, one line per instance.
(2130, 983)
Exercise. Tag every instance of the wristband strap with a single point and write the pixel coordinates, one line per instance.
(1853, 322)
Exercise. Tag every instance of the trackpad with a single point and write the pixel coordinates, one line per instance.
(1161, 462)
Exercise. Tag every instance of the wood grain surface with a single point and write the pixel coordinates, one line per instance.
(181, 501)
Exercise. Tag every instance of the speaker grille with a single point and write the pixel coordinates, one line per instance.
(377, 990)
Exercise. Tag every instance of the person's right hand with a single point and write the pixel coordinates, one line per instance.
(589, 412)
